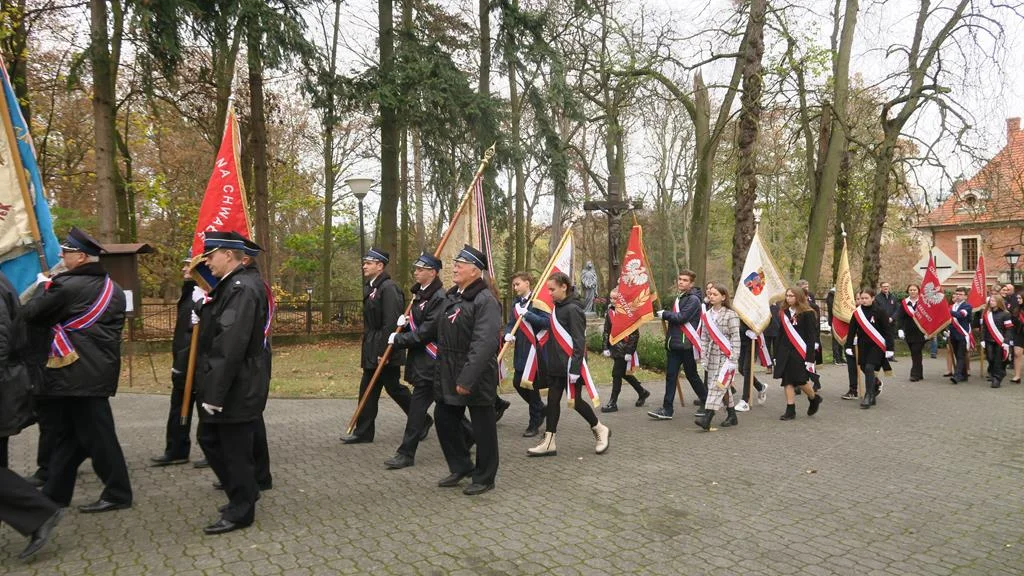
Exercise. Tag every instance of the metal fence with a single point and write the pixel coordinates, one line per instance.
(292, 317)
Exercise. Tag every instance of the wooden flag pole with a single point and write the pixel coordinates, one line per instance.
(19, 170)
(488, 154)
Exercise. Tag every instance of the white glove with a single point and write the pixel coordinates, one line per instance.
(42, 278)
(195, 318)
(658, 314)
(982, 344)
(817, 346)
(198, 294)
(750, 334)
(212, 409)
(402, 321)
(573, 378)
(889, 354)
(510, 337)
(900, 334)
(607, 353)
(849, 352)
(855, 340)
(521, 309)
(1006, 348)
(809, 366)
(391, 338)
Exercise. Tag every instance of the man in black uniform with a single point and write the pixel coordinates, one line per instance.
(383, 303)
(85, 309)
(232, 377)
(468, 334)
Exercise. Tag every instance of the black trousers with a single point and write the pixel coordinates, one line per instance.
(916, 359)
(618, 375)
(46, 420)
(674, 360)
(996, 365)
(84, 428)
(451, 435)
(422, 398)
(960, 359)
(230, 449)
(21, 505)
(532, 399)
(582, 407)
(261, 455)
(746, 369)
(389, 381)
(851, 373)
(5, 455)
(838, 354)
(177, 443)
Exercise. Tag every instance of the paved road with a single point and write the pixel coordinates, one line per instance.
(928, 482)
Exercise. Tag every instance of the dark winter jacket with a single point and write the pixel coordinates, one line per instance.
(15, 384)
(468, 335)
(426, 306)
(904, 319)
(785, 352)
(886, 304)
(962, 316)
(868, 352)
(383, 303)
(534, 318)
(231, 370)
(556, 363)
(624, 347)
(68, 295)
(690, 305)
(182, 331)
(1003, 324)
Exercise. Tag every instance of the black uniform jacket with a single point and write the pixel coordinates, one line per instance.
(69, 294)
(556, 363)
(383, 303)
(1004, 324)
(182, 330)
(426, 306)
(869, 354)
(905, 321)
(231, 370)
(690, 305)
(785, 352)
(468, 335)
(15, 384)
(624, 347)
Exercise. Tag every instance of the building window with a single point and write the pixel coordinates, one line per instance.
(968, 254)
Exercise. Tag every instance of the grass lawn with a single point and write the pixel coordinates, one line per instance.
(325, 370)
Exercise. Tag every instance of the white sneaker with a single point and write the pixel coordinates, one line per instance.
(742, 406)
(762, 395)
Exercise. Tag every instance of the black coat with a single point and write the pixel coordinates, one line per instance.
(555, 362)
(231, 369)
(789, 364)
(690, 305)
(182, 329)
(868, 352)
(522, 344)
(905, 321)
(1004, 324)
(886, 303)
(98, 367)
(383, 303)
(624, 347)
(420, 367)
(962, 316)
(468, 335)
(15, 385)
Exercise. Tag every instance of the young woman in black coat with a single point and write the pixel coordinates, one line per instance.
(997, 329)
(875, 346)
(794, 351)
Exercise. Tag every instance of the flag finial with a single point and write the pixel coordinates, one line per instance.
(757, 216)
(843, 228)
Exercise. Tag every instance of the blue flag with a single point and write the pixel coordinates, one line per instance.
(22, 270)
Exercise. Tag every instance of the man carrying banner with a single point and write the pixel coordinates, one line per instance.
(528, 344)
(85, 310)
(682, 344)
(382, 305)
(960, 337)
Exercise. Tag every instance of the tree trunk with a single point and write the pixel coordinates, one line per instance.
(749, 124)
(389, 132)
(330, 179)
(871, 260)
(403, 196)
(843, 207)
(104, 71)
(515, 146)
(15, 54)
(417, 186)
(261, 188)
(701, 202)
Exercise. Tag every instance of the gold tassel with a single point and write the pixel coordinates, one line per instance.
(59, 362)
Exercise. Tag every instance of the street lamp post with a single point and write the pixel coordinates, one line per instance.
(1012, 257)
(309, 308)
(360, 188)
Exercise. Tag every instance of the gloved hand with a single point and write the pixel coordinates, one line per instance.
(889, 354)
(402, 321)
(391, 338)
(855, 340)
(573, 378)
(606, 353)
(510, 337)
(521, 309)
(42, 278)
(809, 366)
(849, 352)
(982, 344)
(901, 334)
(195, 318)
(212, 409)
(1006, 348)
(659, 314)
(198, 294)
(817, 346)
(750, 334)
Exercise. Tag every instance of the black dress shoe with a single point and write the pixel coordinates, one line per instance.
(353, 439)
(264, 488)
(42, 535)
(427, 424)
(166, 460)
(531, 432)
(947, 374)
(452, 480)
(35, 481)
(102, 505)
(217, 485)
(499, 409)
(644, 394)
(203, 463)
(223, 526)
(474, 489)
(398, 461)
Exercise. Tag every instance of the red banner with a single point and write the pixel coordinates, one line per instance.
(932, 314)
(635, 303)
(979, 289)
(224, 208)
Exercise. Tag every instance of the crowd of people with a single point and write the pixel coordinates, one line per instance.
(64, 345)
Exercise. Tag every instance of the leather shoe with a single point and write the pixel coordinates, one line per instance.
(35, 480)
(531, 432)
(499, 411)
(474, 489)
(452, 480)
(427, 424)
(353, 439)
(203, 463)
(217, 485)
(166, 460)
(223, 526)
(102, 505)
(398, 461)
(42, 535)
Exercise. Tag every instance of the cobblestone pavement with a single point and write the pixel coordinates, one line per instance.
(927, 482)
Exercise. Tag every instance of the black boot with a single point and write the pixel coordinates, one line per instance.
(642, 397)
(730, 419)
(705, 420)
(997, 382)
(611, 406)
(790, 412)
(869, 399)
(812, 408)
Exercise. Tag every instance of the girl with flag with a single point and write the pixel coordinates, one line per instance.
(624, 360)
(564, 365)
(997, 330)
(870, 332)
(910, 332)
(720, 340)
(794, 351)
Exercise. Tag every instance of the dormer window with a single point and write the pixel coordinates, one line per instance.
(970, 202)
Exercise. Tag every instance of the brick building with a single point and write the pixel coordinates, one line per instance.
(984, 215)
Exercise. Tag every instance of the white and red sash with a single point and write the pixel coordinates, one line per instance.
(632, 362)
(62, 351)
(995, 332)
(869, 329)
(789, 326)
(565, 342)
(692, 334)
(715, 333)
(762, 351)
(965, 332)
(430, 347)
(725, 374)
(271, 308)
(909, 307)
(536, 341)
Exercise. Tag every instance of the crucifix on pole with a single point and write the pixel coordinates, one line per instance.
(614, 206)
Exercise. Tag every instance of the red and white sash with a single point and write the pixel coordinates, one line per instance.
(995, 332)
(536, 341)
(62, 351)
(725, 374)
(692, 334)
(430, 347)
(271, 308)
(965, 332)
(869, 329)
(715, 333)
(909, 307)
(632, 362)
(566, 344)
(762, 351)
(789, 326)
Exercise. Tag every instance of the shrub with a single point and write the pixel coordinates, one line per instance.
(651, 349)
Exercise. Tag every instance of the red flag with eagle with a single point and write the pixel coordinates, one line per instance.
(979, 289)
(932, 312)
(635, 302)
